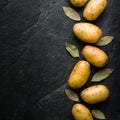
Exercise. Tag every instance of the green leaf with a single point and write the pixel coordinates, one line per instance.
(101, 75)
(72, 49)
(98, 114)
(71, 13)
(71, 95)
(105, 40)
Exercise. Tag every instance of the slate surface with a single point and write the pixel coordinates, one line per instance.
(34, 65)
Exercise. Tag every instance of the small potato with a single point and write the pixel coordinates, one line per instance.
(95, 56)
(94, 8)
(81, 112)
(79, 74)
(87, 32)
(95, 94)
(77, 3)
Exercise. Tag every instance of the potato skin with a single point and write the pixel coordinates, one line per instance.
(95, 56)
(81, 112)
(95, 94)
(79, 74)
(94, 8)
(87, 32)
(77, 3)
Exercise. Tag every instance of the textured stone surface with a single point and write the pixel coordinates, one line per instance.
(34, 65)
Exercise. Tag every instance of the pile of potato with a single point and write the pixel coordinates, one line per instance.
(90, 34)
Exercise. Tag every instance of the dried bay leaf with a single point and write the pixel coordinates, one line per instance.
(105, 40)
(71, 95)
(72, 49)
(71, 13)
(101, 75)
(98, 114)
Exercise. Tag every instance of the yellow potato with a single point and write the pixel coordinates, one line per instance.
(77, 3)
(87, 32)
(94, 8)
(95, 56)
(79, 74)
(95, 94)
(81, 112)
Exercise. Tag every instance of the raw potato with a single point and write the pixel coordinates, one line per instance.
(95, 94)
(94, 9)
(95, 56)
(81, 112)
(87, 32)
(77, 3)
(79, 74)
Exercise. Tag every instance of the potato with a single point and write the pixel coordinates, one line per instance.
(94, 8)
(81, 112)
(87, 32)
(77, 3)
(95, 56)
(79, 74)
(95, 94)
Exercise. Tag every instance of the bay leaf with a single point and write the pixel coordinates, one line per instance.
(101, 75)
(105, 40)
(71, 95)
(98, 114)
(71, 13)
(72, 49)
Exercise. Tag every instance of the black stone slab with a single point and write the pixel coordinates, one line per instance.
(34, 65)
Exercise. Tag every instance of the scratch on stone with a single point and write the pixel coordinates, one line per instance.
(51, 93)
(40, 19)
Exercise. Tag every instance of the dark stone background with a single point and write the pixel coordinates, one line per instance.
(34, 65)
